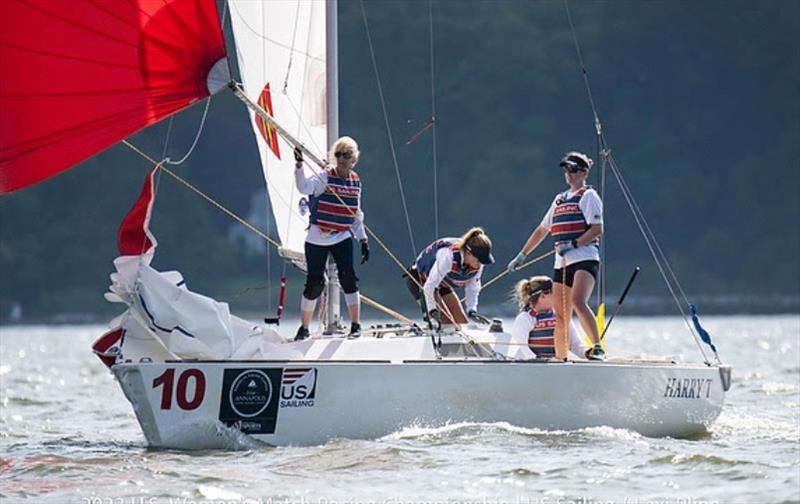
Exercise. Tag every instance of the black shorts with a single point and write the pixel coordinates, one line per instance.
(591, 266)
(411, 285)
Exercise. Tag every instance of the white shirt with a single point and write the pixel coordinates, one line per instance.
(592, 208)
(439, 270)
(522, 327)
(315, 185)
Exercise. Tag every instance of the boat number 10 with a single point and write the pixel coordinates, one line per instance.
(167, 379)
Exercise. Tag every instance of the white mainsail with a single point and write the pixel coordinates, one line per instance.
(280, 48)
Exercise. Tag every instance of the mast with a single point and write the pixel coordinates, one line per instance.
(332, 291)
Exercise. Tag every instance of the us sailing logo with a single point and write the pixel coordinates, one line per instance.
(298, 388)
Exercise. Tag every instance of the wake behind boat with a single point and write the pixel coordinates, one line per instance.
(196, 374)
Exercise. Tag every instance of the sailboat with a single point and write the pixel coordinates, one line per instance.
(198, 376)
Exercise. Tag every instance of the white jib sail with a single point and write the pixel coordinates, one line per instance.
(280, 46)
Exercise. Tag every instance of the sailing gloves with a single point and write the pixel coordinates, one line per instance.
(298, 157)
(478, 318)
(565, 246)
(516, 262)
(364, 251)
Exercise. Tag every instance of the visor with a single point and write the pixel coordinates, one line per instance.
(484, 254)
(545, 286)
(571, 160)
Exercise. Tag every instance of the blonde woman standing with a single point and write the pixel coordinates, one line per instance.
(575, 221)
(336, 218)
(536, 322)
(446, 264)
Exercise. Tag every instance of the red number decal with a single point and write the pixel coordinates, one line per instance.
(167, 379)
(199, 389)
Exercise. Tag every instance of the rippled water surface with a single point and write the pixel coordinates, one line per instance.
(67, 434)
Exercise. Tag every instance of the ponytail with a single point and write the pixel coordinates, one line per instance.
(475, 237)
(525, 291)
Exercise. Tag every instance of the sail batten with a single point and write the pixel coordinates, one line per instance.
(80, 76)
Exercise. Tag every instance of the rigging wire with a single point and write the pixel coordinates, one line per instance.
(600, 141)
(433, 131)
(249, 226)
(269, 202)
(597, 125)
(641, 222)
(601, 291)
(291, 51)
(388, 129)
(298, 111)
(655, 250)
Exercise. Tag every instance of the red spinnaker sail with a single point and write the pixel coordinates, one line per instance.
(78, 76)
(134, 237)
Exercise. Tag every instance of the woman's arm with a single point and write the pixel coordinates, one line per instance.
(471, 291)
(359, 231)
(593, 232)
(577, 345)
(520, 330)
(315, 184)
(444, 260)
(535, 239)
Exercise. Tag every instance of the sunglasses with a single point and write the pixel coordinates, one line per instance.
(345, 154)
(572, 169)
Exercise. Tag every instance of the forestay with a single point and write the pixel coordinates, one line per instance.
(281, 54)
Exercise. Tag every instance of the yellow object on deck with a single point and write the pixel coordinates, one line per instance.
(601, 324)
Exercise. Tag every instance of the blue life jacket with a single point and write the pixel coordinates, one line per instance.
(459, 273)
(541, 338)
(328, 211)
(568, 220)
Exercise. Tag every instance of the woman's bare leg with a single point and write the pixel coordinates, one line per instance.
(456, 310)
(562, 305)
(581, 290)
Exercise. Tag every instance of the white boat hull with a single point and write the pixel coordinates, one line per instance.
(307, 403)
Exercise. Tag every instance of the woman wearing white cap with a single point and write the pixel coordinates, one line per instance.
(446, 264)
(575, 221)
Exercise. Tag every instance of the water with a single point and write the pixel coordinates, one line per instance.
(68, 435)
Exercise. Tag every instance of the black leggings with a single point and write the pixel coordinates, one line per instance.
(317, 256)
(411, 285)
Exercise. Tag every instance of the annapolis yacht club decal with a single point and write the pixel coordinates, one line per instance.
(249, 399)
